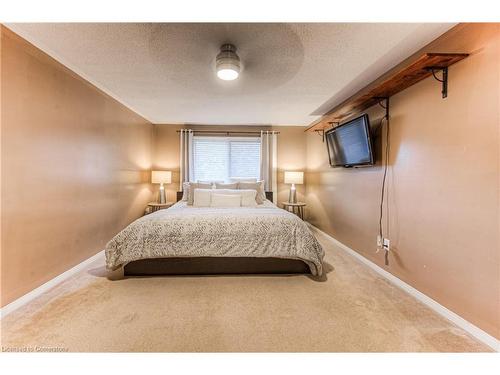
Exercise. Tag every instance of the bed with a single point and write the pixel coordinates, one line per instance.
(188, 240)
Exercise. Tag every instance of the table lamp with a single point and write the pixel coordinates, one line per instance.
(293, 178)
(161, 177)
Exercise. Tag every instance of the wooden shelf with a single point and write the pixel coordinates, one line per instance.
(372, 94)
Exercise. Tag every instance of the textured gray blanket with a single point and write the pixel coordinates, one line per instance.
(187, 231)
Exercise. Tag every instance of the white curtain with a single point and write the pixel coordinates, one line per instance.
(186, 158)
(269, 161)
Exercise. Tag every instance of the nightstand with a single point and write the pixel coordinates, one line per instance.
(296, 208)
(155, 206)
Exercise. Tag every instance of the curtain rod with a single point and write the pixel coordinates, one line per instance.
(229, 132)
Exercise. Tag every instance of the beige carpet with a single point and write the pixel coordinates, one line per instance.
(354, 309)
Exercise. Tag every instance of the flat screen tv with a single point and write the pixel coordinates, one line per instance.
(349, 145)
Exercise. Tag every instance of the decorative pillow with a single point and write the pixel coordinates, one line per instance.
(242, 179)
(192, 187)
(233, 185)
(185, 191)
(202, 197)
(225, 200)
(259, 186)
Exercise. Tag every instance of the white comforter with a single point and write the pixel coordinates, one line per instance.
(187, 231)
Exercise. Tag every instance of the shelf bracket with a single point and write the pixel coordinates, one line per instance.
(443, 80)
(386, 106)
(321, 132)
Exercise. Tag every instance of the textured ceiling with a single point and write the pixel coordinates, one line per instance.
(291, 72)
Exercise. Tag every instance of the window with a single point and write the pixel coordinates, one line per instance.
(220, 158)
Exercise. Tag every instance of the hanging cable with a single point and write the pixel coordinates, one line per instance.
(382, 193)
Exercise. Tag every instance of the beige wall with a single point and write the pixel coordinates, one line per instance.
(73, 162)
(443, 197)
(291, 153)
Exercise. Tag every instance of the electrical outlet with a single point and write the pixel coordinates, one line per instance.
(379, 241)
(387, 244)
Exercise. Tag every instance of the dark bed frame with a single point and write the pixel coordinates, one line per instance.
(215, 265)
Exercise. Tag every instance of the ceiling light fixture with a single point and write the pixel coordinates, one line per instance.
(227, 63)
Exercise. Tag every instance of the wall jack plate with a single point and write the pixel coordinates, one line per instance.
(379, 241)
(387, 244)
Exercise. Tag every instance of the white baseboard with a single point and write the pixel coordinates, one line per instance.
(14, 305)
(476, 332)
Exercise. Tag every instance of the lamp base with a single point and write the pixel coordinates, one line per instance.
(162, 197)
(292, 197)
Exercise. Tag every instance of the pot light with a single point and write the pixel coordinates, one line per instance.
(227, 63)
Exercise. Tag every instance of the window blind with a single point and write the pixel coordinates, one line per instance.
(222, 158)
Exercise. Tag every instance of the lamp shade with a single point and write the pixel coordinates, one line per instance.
(161, 177)
(294, 177)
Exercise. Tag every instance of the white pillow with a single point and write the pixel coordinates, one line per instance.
(192, 187)
(202, 197)
(242, 179)
(211, 182)
(227, 191)
(247, 195)
(259, 186)
(232, 185)
(185, 191)
(248, 198)
(225, 200)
